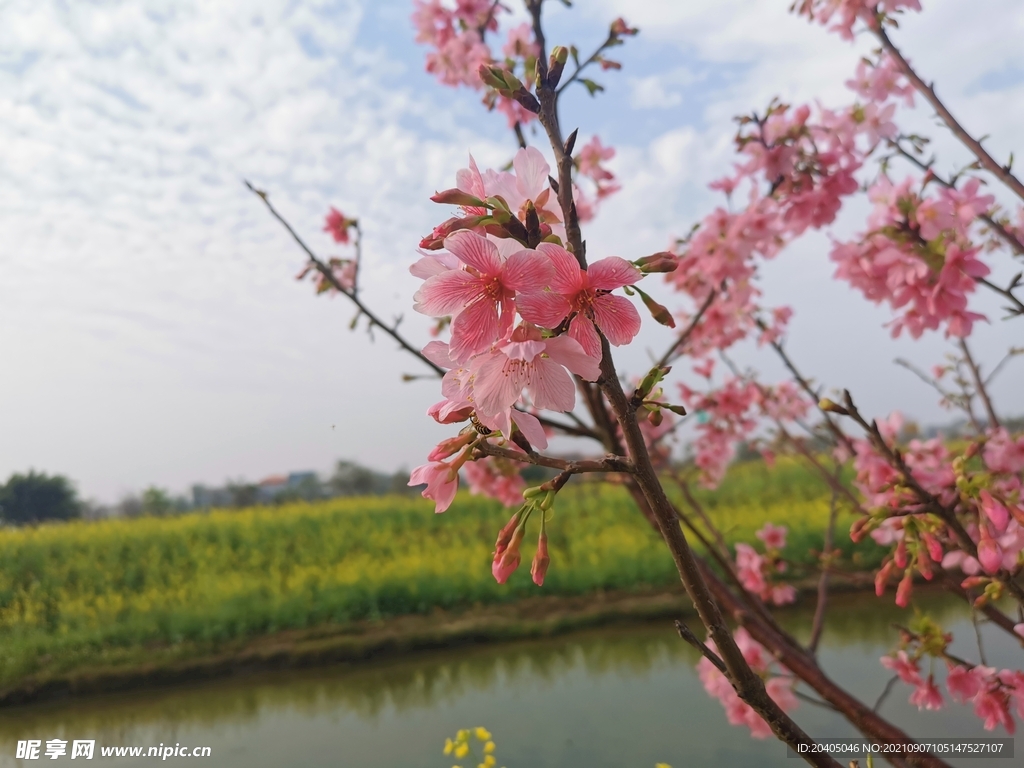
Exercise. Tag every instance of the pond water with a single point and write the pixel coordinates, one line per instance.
(608, 698)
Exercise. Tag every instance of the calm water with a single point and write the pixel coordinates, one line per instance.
(602, 699)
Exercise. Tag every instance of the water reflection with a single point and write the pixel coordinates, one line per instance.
(611, 697)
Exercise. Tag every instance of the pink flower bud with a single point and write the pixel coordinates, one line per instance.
(901, 554)
(924, 565)
(882, 577)
(997, 514)
(505, 564)
(990, 555)
(457, 197)
(337, 225)
(904, 589)
(934, 547)
(620, 27)
(451, 445)
(505, 536)
(539, 568)
(973, 582)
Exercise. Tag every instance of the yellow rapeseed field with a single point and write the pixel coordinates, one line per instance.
(71, 589)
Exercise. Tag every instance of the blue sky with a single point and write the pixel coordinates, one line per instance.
(150, 327)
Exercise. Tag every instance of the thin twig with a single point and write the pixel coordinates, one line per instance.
(818, 623)
(328, 274)
(979, 385)
(677, 345)
(885, 692)
(692, 639)
(607, 464)
(1001, 172)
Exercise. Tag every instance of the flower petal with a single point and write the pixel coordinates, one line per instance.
(530, 426)
(532, 172)
(526, 271)
(497, 384)
(474, 330)
(568, 277)
(617, 318)
(437, 353)
(446, 293)
(433, 264)
(567, 351)
(582, 330)
(544, 308)
(551, 387)
(611, 273)
(475, 251)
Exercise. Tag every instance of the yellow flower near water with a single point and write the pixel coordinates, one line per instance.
(488, 747)
(482, 733)
(662, 765)
(462, 750)
(448, 746)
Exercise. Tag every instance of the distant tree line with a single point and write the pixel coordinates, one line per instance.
(35, 497)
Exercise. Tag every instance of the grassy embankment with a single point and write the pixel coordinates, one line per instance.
(79, 597)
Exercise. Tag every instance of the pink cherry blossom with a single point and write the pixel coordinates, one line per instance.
(773, 536)
(783, 594)
(927, 695)
(495, 478)
(963, 684)
(442, 482)
(589, 161)
(1004, 453)
(337, 225)
(586, 297)
(527, 182)
(878, 82)
(904, 667)
(534, 364)
(520, 43)
(480, 296)
(993, 706)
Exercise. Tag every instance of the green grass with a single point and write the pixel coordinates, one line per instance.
(70, 593)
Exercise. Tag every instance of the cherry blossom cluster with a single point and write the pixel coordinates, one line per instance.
(917, 255)
(756, 571)
(496, 478)
(987, 504)
(996, 695)
(844, 14)
(731, 413)
(779, 683)
(589, 162)
(336, 271)
(524, 319)
(457, 37)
